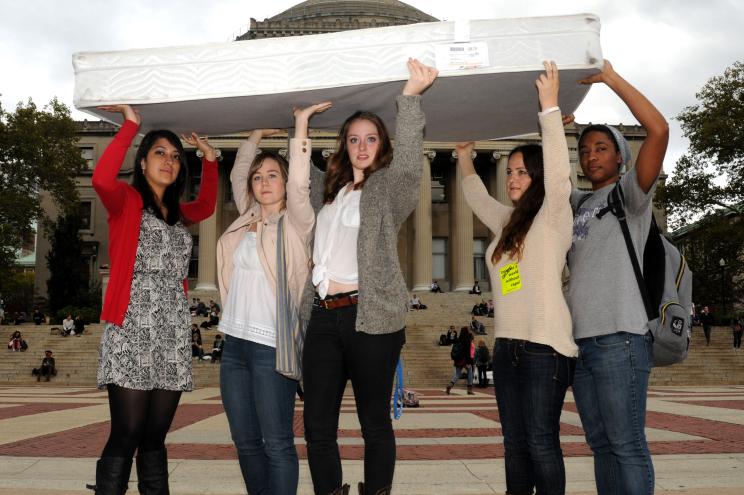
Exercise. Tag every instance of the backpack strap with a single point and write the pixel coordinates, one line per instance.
(615, 206)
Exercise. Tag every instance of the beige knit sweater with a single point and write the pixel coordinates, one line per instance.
(533, 308)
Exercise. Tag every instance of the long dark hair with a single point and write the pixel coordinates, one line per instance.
(340, 171)
(520, 221)
(173, 193)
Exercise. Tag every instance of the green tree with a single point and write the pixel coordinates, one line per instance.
(707, 187)
(710, 176)
(18, 293)
(38, 152)
(713, 284)
(68, 272)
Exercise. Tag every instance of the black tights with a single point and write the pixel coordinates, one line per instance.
(140, 419)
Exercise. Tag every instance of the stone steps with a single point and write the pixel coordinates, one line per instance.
(426, 364)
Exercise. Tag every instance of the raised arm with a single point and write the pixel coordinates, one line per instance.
(557, 167)
(492, 213)
(404, 173)
(317, 184)
(204, 204)
(299, 210)
(239, 174)
(105, 182)
(651, 155)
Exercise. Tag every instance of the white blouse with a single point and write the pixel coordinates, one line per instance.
(335, 250)
(250, 309)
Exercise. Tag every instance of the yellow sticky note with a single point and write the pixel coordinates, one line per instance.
(510, 279)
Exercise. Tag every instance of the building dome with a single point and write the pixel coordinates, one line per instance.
(327, 16)
(332, 9)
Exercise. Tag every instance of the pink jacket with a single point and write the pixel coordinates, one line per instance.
(299, 220)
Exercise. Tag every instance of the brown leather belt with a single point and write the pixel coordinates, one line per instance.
(336, 301)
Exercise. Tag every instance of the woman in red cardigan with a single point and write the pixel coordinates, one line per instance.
(145, 355)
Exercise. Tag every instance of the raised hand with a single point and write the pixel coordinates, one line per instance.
(202, 144)
(548, 84)
(307, 112)
(601, 77)
(464, 151)
(567, 119)
(258, 134)
(127, 111)
(465, 148)
(420, 77)
(302, 116)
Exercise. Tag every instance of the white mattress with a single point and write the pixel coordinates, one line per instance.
(222, 88)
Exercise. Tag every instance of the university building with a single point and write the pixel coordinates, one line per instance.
(441, 240)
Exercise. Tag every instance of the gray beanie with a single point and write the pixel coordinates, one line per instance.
(624, 146)
(620, 141)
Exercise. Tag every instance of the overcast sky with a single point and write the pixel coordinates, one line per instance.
(666, 48)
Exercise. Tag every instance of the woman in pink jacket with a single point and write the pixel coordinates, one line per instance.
(263, 265)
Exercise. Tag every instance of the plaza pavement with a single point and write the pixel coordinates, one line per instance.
(50, 437)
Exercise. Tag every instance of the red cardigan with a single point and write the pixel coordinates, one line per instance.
(124, 206)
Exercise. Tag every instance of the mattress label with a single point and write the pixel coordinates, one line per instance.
(462, 56)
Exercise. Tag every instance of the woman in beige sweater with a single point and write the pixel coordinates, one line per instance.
(534, 350)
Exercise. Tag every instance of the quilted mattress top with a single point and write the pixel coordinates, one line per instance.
(485, 89)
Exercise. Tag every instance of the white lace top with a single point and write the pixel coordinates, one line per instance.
(250, 309)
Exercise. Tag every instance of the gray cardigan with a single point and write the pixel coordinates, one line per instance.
(388, 197)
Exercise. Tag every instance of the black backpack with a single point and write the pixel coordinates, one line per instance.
(458, 351)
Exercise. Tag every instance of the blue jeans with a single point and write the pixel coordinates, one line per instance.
(610, 389)
(458, 374)
(259, 403)
(530, 381)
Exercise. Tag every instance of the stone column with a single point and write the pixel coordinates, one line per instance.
(461, 234)
(103, 276)
(422, 229)
(207, 274)
(499, 191)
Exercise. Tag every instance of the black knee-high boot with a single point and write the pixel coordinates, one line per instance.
(152, 472)
(381, 491)
(112, 476)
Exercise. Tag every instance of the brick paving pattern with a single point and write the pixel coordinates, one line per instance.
(443, 428)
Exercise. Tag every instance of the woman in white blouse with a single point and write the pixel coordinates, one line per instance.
(257, 394)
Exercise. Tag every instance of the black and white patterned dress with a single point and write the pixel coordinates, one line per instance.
(152, 347)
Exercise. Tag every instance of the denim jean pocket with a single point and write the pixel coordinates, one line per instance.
(612, 340)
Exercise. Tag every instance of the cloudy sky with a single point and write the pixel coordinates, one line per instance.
(666, 48)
